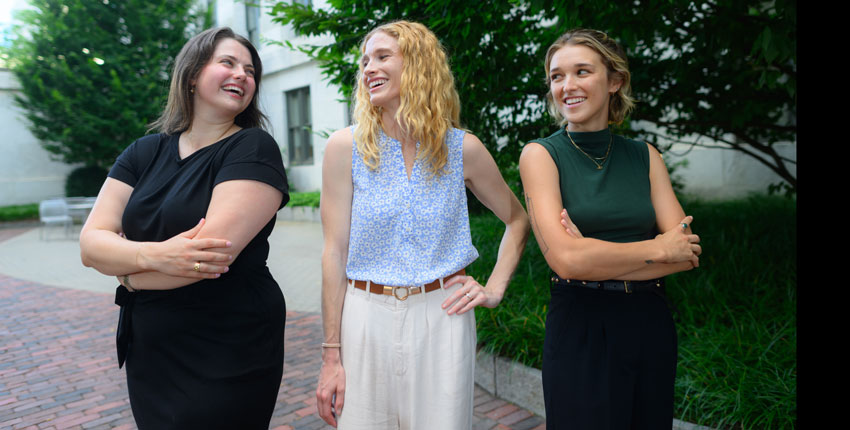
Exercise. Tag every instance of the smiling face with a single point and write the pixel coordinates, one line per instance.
(382, 64)
(580, 86)
(225, 86)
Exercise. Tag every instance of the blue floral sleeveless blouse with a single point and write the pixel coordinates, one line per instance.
(408, 232)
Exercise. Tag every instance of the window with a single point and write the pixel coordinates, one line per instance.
(252, 21)
(299, 127)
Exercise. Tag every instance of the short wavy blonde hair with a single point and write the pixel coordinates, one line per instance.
(613, 57)
(430, 105)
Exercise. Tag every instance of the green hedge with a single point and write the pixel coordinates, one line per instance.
(310, 199)
(19, 212)
(737, 325)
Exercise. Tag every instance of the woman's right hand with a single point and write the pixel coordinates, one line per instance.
(180, 255)
(679, 245)
(330, 394)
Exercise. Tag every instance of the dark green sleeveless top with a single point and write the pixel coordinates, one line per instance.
(612, 204)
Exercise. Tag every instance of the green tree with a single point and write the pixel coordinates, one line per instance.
(718, 69)
(95, 73)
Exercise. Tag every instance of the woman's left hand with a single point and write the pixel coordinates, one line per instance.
(469, 295)
(568, 224)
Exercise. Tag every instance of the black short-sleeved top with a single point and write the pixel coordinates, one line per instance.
(171, 194)
(210, 354)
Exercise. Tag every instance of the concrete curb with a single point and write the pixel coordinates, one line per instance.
(523, 385)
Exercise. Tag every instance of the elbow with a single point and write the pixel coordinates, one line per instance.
(85, 260)
(571, 267)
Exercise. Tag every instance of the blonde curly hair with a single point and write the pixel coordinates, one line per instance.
(429, 105)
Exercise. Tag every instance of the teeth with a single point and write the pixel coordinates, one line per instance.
(233, 88)
(374, 84)
(574, 100)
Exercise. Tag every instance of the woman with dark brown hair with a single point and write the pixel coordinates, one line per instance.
(202, 319)
(597, 203)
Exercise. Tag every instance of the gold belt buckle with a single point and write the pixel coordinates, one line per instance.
(626, 284)
(394, 292)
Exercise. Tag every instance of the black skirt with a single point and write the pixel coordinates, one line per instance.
(208, 355)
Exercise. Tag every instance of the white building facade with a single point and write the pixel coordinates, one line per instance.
(303, 108)
(27, 172)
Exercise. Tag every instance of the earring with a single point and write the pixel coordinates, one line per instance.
(192, 90)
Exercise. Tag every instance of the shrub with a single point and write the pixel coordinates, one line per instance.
(85, 181)
(19, 212)
(737, 312)
(310, 199)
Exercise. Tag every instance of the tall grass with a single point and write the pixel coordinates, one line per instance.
(737, 313)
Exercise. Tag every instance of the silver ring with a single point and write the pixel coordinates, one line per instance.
(468, 296)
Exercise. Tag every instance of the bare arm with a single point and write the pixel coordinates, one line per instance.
(226, 216)
(335, 208)
(668, 216)
(103, 248)
(650, 271)
(586, 258)
(486, 183)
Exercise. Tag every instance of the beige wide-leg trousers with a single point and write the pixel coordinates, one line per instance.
(408, 365)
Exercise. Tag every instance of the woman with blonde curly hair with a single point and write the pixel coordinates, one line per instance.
(597, 203)
(399, 331)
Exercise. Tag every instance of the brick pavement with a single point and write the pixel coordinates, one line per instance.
(59, 371)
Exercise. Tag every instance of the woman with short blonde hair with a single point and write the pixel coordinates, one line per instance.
(610, 227)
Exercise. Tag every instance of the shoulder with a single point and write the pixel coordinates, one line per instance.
(342, 139)
(254, 135)
(252, 144)
(145, 147)
(339, 149)
(473, 150)
(631, 144)
(153, 139)
(542, 146)
(638, 150)
(151, 142)
(548, 140)
(533, 153)
(470, 141)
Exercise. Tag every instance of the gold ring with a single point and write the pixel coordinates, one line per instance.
(197, 267)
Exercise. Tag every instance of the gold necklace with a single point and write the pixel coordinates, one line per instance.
(593, 159)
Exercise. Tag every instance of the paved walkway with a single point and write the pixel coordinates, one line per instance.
(57, 338)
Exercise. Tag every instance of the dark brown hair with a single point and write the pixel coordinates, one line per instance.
(195, 54)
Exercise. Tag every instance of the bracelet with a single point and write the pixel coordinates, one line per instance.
(331, 345)
(126, 282)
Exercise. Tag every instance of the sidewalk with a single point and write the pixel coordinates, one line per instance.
(57, 338)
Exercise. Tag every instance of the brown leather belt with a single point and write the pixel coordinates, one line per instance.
(402, 293)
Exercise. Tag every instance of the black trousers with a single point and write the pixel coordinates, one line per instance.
(609, 360)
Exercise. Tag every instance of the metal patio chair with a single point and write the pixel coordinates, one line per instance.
(54, 212)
